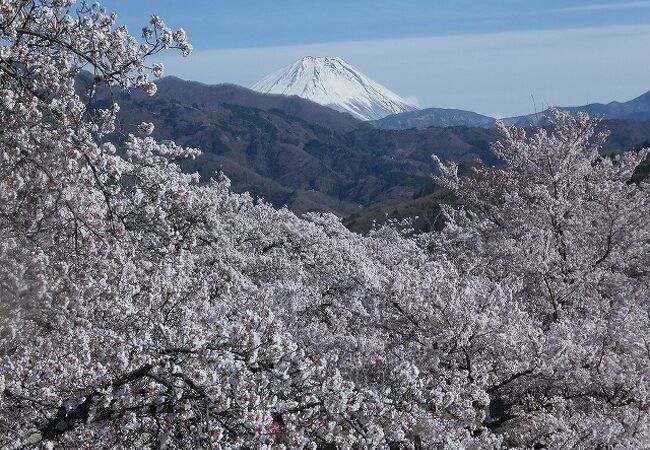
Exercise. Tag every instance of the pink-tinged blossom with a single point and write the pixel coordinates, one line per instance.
(158, 69)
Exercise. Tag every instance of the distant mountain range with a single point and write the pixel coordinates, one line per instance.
(192, 92)
(292, 151)
(334, 83)
(297, 153)
(635, 109)
(434, 117)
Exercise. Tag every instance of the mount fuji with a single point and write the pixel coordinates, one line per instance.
(334, 83)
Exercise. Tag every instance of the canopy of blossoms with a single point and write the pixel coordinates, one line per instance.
(140, 308)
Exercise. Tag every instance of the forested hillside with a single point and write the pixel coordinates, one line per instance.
(299, 163)
(293, 152)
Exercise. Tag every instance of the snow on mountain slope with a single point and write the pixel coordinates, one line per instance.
(334, 83)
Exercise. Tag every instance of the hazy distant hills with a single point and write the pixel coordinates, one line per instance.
(434, 117)
(637, 109)
(333, 94)
(334, 83)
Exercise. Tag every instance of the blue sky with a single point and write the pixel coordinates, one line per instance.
(489, 56)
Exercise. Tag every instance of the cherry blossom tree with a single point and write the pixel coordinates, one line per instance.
(568, 225)
(140, 308)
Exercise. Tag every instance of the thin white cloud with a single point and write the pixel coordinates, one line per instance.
(413, 100)
(601, 7)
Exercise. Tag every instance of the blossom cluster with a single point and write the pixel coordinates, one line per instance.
(140, 308)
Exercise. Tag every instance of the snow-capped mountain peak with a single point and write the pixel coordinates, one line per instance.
(332, 82)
